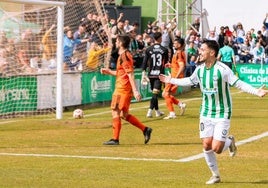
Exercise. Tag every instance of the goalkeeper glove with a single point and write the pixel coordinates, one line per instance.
(144, 78)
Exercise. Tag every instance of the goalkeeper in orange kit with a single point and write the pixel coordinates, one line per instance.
(177, 66)
(125, 88)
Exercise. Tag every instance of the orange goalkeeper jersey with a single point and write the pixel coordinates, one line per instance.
(123, 67)
(179, 56)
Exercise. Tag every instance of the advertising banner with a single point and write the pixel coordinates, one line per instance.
(97, 87)
(18, 94)
(254, 74)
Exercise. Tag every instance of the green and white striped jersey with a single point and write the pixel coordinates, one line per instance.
(214, 84)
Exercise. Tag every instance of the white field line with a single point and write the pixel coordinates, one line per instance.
(242, 142)
(143, 107)
(4, 122)
(160, 104)
(187, 159)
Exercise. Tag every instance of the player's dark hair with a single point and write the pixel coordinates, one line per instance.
(213, 45)
(181, 41)
(157, 35)
(125, 40)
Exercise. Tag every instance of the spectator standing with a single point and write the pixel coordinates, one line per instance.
(258, 53)
(166, 38)
(244, 52)
(49, 49)
(221, 37)
(127, 26)
(240, 32)
(140, 51)
(134, 46)
(23, 62)
(81, 48)
(265, 24)
(228, 32)
(68, 49)
(212, 35)
(116, 30)
(93, 59)
(196, 24)
(192, 54)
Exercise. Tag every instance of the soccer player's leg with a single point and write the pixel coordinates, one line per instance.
(169, 103)
(156, 92)
(124, 105)
(116, 121)
(206, 131)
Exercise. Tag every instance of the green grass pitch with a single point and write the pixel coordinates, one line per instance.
(69, 152)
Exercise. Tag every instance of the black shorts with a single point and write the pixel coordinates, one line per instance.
(155, 84)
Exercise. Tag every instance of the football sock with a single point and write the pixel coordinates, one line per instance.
(150, 110)
(172, 113)
(210, 158)
(169, 103)
(179, 104)
(227, 144)
(155, 101)
(174, 100)
(134, 121)
(116, 128)
(152, 103)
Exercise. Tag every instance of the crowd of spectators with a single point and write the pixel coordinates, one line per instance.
(34, 53)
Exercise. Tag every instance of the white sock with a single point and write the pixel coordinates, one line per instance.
(227, 144)
(211, 161)
(172, 113)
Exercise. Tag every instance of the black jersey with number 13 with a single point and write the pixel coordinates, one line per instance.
(156, 56)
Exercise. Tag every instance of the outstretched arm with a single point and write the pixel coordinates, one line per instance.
(176, 81)
(261, 92)
(243, 86)
(164, 78)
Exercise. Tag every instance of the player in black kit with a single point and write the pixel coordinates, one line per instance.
(156, 56)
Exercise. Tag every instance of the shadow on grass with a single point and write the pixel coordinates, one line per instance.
(168, 144)
(261, 182)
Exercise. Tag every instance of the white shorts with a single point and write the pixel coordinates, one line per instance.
(218, 128)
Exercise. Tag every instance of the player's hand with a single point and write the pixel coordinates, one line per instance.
(167, 65)
(137, 95)
(164, 78)
(105, 71)
(144, 78)
(262, 92)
